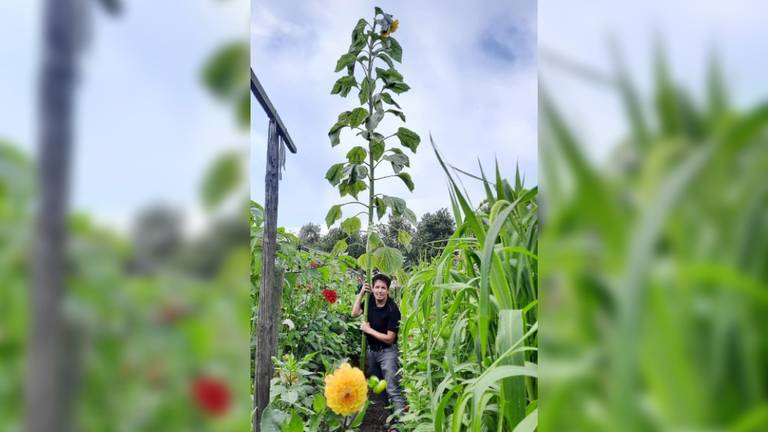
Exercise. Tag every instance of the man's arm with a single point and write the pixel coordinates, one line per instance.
(388, 338)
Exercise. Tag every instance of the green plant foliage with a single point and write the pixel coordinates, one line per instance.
(470, 316)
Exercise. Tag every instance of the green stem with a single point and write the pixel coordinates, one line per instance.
(371, 195)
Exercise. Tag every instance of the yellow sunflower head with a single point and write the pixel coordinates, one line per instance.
(346, 390)
(392, 28)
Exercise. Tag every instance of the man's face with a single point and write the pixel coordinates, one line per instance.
(380, 291)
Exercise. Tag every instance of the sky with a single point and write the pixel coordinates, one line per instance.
(472, 71)
(147, 129)
(689, 31)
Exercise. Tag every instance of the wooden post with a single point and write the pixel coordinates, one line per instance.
(271, 283)
(46, 393)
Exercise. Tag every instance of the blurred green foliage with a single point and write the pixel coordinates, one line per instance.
(655, 265)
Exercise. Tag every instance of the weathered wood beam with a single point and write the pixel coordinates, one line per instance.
(266, 104)
(270, 289)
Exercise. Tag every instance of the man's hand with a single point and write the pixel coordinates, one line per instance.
(365, 327)
(365, 288)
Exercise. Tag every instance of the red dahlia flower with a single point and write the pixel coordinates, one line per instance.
(212, 395)
(330, 296)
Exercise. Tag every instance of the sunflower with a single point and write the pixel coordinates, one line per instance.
(346, 390)
(392, 28)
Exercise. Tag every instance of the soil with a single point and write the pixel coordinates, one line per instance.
(376, 417)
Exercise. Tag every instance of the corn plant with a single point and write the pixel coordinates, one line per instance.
(470, 317)
(372, 45)
(660, 260)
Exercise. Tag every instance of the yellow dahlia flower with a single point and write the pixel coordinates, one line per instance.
(346, 390)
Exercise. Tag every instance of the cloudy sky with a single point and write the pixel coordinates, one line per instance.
(472, 71)
(147, 129)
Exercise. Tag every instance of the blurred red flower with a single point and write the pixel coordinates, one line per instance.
(330, 296)
(314, 264)
(212, 395)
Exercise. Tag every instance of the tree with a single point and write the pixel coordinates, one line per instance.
(355, 242)
(397, 231)
(309, 234)
(432, 234)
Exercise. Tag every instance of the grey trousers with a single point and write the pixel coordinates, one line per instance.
(386, 364)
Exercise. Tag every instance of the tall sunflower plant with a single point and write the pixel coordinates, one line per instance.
(369, 67)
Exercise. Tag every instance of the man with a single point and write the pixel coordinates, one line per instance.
(381, 329)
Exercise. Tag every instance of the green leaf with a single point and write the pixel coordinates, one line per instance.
(388, 75)
(374, 240)
(358, 43)
(386, 97)
(387, 59)
(221, 179)
(398, 161)
(357, 116)
(404, 237)
(381, 207)
(408, 138)
(271, 420)
(377, 10)
(295, 425)
(398, 87)
(389, 259)
(339, 248)
(406, 178)
(357, 155)
(345, 60)
(343, 85)
(395, 50)
(410, 216)
(377, 148)
(396, 204)
(366, 88)
(351, 225)
(319, 402)
(374, 120)
(362, 261)
(361, 171)
(335, 133)
(335, 173)
(352, 188)
(333, 215)
(397, 113)
(358, 420)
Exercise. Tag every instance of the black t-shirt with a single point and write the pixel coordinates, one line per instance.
(382, 319)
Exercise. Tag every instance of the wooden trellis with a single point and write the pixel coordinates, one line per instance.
(271, 276)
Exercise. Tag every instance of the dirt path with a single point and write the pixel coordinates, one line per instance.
(376, 417)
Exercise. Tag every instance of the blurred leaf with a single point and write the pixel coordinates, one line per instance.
(222, 179)
(226, 72)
